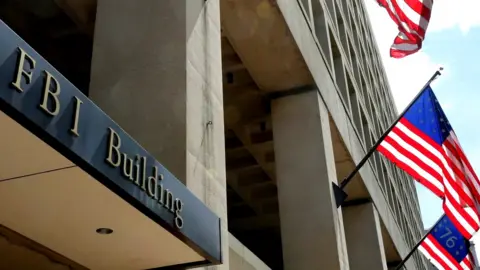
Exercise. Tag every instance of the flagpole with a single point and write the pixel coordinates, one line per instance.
(347, 179)
(418, 244)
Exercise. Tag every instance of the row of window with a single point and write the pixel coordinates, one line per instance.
(343, 32)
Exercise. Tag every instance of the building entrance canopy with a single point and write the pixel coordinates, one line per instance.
(67, 171)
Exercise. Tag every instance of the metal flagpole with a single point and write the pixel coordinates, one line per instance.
(340, 195)
(417, 245)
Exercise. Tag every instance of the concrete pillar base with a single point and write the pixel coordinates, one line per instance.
(364, 238)
(311, 224)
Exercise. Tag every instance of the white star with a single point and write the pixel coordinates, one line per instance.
(443, 130)
(441, 119)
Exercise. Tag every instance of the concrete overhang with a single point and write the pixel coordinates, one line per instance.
(262, 39)
(67, 170)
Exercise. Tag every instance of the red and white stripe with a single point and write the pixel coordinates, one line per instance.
(444, 169)
(439, 257)
(412, 18)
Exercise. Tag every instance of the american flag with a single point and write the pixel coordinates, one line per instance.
(424, 144)
(446, 248)
(412, 18)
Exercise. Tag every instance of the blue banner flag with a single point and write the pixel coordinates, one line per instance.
(446, 248)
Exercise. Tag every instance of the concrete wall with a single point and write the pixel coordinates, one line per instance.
(157, 71)
(205, 160)
(392, 206)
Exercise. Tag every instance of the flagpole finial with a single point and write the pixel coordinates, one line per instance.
(436, 75)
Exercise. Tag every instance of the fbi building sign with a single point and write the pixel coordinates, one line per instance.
(41, 100)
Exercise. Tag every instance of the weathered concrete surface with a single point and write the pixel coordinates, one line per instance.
(258, 32)
(311, 225)
(156, 70)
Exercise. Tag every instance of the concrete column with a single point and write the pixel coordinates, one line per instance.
(156, 70)
(364, 238)
(311, 226)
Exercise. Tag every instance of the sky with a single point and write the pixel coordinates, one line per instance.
(451, 42)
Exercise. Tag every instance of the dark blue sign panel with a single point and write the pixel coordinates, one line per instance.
(38, 97)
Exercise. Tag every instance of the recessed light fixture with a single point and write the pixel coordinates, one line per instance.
(104, 231)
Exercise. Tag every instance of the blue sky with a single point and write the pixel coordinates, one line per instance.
(452, 42)
(460, 93)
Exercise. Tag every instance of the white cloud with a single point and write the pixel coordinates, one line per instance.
(408, 75)
(448, 14)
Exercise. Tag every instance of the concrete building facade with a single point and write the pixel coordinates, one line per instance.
(255, 106)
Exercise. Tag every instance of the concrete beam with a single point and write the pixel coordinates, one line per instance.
(255, 223)
(244, 134)
(243, 105)
(243, 192)
(258, 33)
(231, 63)
(356, 202)
(82, 12)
